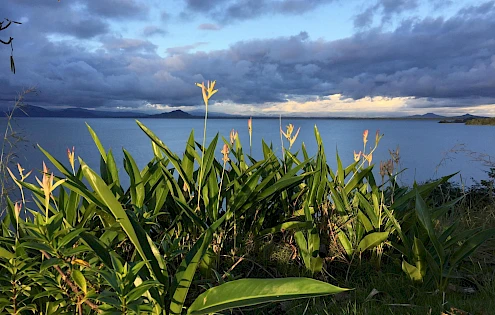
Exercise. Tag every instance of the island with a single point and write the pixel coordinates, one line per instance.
(482, 121)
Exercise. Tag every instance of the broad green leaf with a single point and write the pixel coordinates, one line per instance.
(114, 173)
(363, 219)
(302, 244)
(188, 266)
(344, 241)
(72, 208)
(190, 213)
(69, 237)
(137, 292)
(98, 247)
(419, 252)
(357, 179)
(396, 225)
(79, 279)
(98, 143)
(470, 245)
(145, 247)
(174, 159)
(6, 254)
(293, 225)
(56, 163)
(412, 271)
(247, 292)
(137, 186)
(209, 157)
(37, 246)
(423, 214)
(188, 159)
(156, 150)
(423, 190)
(372, 240)
(368, 208)
(51, 262)
(340, 169)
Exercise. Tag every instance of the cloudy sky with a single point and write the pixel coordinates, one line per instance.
(269, 57)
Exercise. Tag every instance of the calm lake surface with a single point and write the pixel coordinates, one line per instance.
(423, 144)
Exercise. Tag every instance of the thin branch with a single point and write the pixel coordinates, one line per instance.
(232, 268)
(73, 287)
(8, 42)
(251, 261)
(6, 26)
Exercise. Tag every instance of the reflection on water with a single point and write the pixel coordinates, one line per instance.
(423, 144)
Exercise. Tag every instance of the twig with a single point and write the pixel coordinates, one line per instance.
(253, 262)
(233, 266)
(73, 287)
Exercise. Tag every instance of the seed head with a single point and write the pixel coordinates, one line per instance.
(70, 156)
(233, 136)
(357, 156)
(225, 152)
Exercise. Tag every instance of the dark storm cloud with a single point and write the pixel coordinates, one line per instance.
(388, 9)
(364, 18)
(152, 30)
(75, 25)
(439, 62)
(80, 18)
(184, 49)
(232, 10)
(44, 18)
(116, 8)
(209, 27)
(128, 45)
(164, 16)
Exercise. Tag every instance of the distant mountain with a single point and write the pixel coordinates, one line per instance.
(445, 119)
(426, 116)
(469, 116)
(36, 111)
(74, 112)
(31, 111)
(173, 114)
(460, 119)
(201, 113)
(85, 113)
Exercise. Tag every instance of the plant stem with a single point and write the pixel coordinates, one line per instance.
(202, 155)
(73, 287)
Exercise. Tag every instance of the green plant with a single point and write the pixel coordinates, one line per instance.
(437, 254)
(137, 250)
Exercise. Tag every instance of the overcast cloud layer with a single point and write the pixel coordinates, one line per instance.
(75, 55)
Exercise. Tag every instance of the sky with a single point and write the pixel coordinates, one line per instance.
(363, 58)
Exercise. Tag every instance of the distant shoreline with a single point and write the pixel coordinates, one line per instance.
(236, 117)
(40, 112)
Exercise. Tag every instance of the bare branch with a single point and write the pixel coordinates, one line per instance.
(73, 287)
(7, 42)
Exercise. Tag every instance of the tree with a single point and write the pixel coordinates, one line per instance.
(9, 41)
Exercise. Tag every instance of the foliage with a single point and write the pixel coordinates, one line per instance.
(481, 121)
(92, 245)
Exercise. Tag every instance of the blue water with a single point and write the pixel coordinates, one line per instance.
(423, 144)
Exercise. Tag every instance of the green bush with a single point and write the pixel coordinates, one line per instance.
(87, 244)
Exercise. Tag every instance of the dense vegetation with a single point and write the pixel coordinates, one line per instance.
(202, 234)
(481, 121)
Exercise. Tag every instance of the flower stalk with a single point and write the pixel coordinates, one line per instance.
(250, 130)
(23, 177)
(207, 91)
(48, 186)
(70, 156)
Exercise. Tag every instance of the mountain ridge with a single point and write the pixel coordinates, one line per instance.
(37, 111)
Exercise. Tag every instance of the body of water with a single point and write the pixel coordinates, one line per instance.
(423, 144)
